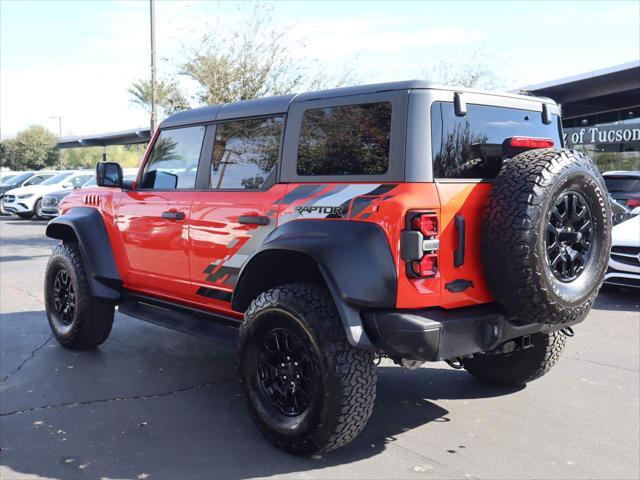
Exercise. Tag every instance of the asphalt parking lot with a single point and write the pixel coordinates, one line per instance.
(152, 403)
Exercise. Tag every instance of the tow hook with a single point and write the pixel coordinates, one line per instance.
(568, 331)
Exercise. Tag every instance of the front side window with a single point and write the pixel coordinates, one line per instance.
(345, 140)
(471, 146)
(173, 161)
(245, 153)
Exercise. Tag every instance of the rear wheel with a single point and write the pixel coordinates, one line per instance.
(77, 319)
(308, 390)
(519, 367)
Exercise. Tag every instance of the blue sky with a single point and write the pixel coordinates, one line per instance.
(76, 59)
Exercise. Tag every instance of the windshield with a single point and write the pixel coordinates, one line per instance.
(18, 179)
(57, 178)
(6, 179)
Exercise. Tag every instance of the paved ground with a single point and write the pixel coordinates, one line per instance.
(152, 403)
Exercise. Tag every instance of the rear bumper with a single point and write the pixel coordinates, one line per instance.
(436, 334)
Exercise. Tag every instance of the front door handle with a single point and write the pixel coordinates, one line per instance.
(173, 215)
(254, 219)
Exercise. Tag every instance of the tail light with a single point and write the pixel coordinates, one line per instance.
(419, 244)
(633, 202)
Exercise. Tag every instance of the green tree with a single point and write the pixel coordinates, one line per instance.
(7, 153)
(476, 70)
(254, 58)
(170, 99)
(32, 149)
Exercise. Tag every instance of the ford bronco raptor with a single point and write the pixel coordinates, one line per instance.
(323, 229)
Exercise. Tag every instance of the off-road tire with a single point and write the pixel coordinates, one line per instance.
(345, 376)
(37, 210)
(514, 235)
(519, 367)
(92, 318)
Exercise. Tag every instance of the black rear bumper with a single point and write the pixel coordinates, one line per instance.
(436, 334)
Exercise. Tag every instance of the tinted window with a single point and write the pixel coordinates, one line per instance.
(245, 153)
(345, 140)
(622, 184)
(471, 146)
(173, 161)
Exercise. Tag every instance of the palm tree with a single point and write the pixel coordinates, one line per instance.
(169, 98)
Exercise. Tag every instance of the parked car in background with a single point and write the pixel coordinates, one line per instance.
(51, 201)
(23, 179)
(624, 187)
(26, 201)
(624, 262)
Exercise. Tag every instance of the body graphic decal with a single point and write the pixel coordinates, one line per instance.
(303, 202)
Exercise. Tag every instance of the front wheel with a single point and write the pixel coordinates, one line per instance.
(521, 366)
(77, 319)
(37, 210)
(308, 390)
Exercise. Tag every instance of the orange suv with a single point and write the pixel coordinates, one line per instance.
(324, 229)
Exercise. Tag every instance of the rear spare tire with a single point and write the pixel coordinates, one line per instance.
(546, 236)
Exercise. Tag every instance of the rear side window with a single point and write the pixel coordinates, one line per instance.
(471, 146)
(245, 153)
(173, 161)
(345, 140)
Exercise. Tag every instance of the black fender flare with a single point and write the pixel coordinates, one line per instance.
(86, 226)
(355, 261)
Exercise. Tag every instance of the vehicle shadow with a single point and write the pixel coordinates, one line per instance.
(199, 431)
(622, 299)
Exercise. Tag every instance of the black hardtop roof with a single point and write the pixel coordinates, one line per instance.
(279, 104)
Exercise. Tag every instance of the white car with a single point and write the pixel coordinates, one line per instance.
(26, 202)
(624, 262)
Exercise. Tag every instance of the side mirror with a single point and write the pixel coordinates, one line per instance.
(67, 185)
(109, 174)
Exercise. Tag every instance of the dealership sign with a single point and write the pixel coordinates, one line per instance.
(602, 134)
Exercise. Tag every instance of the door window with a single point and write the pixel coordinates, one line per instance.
(345, 140)
(173, 161)
(245, 153)
(471, 146)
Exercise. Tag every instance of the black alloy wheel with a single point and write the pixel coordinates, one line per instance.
(569, 236)
(64, 297)
(285, 372)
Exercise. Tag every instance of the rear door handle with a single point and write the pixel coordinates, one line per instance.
(173, 215)
(254, 220)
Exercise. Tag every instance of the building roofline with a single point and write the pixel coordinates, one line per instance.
(581, 76)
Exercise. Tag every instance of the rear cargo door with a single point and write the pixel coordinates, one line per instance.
(467, 153)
